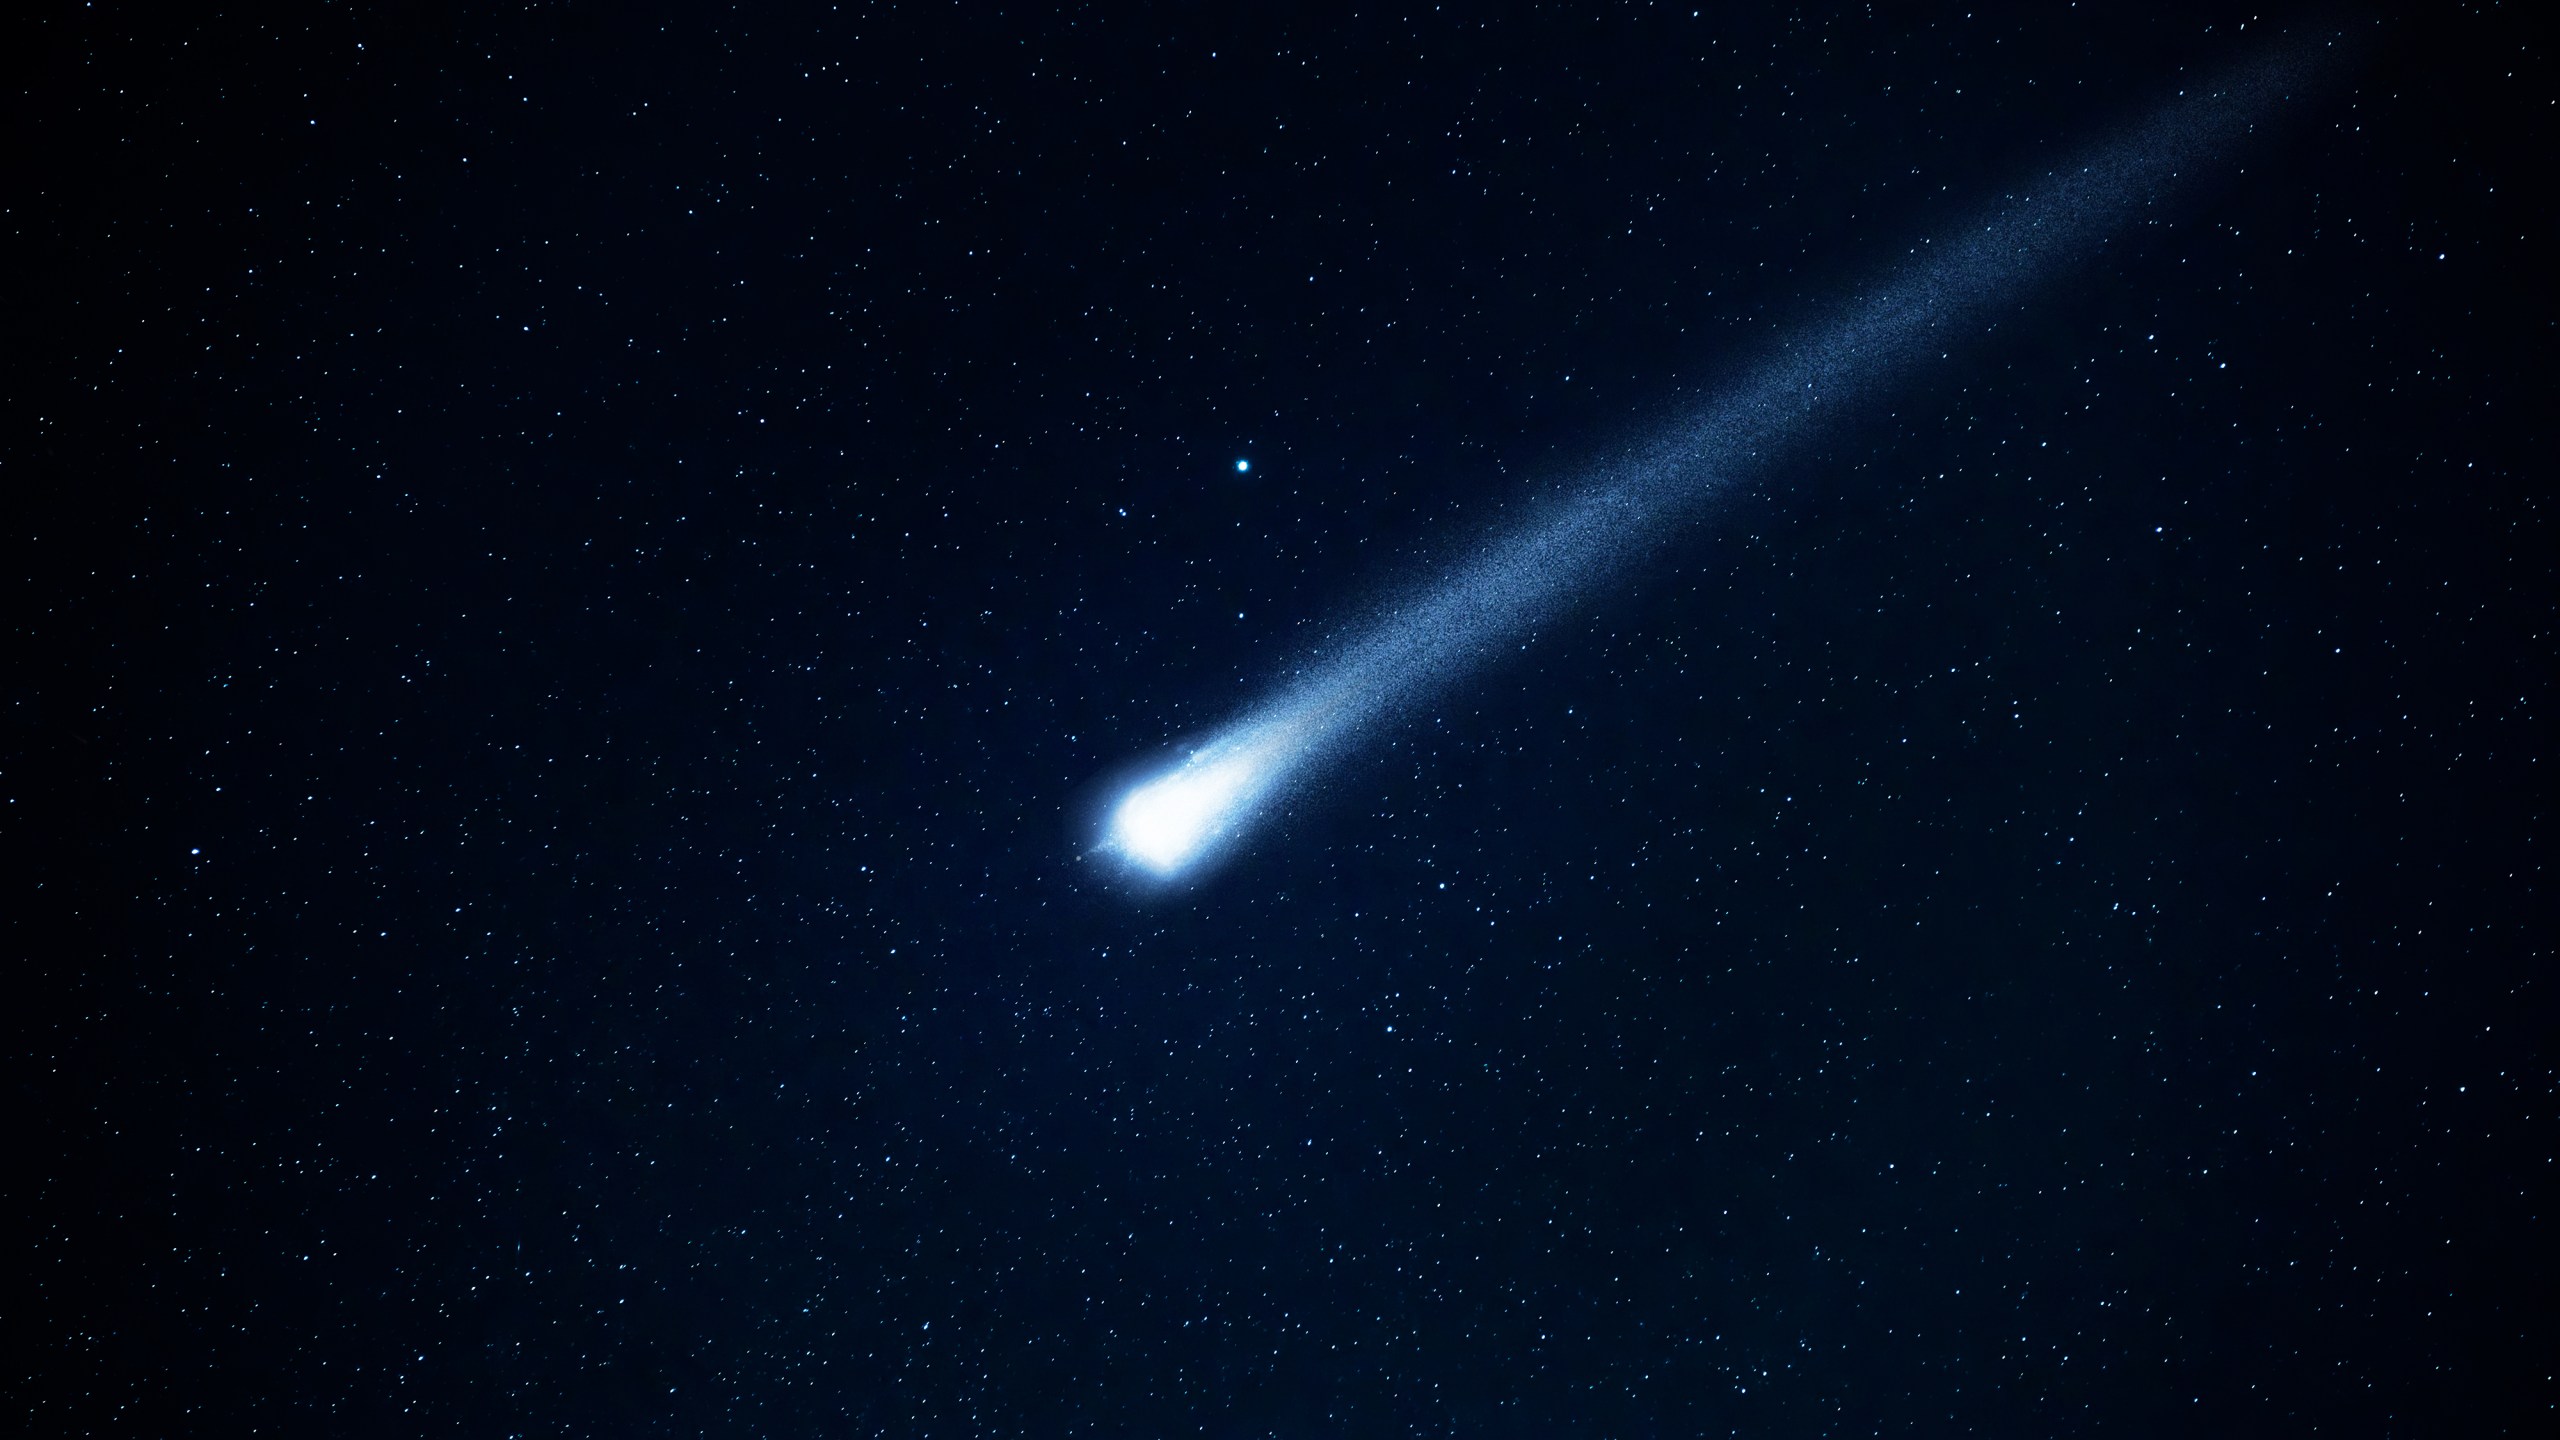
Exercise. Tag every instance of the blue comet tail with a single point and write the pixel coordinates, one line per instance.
(1169, 824)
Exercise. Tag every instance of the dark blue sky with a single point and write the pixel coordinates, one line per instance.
(580, 574)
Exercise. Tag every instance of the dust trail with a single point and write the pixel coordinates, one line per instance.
(1919, 311)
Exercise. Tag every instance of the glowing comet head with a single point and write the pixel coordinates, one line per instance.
(1165, 824)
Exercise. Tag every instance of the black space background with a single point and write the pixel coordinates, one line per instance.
(573, 573)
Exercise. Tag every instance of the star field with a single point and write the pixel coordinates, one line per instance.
(584, 583)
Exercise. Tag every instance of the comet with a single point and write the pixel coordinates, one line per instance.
(1948, 290)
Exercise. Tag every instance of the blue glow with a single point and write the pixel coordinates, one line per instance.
(1488, 601)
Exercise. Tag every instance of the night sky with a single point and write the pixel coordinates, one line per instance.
(579, 576)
